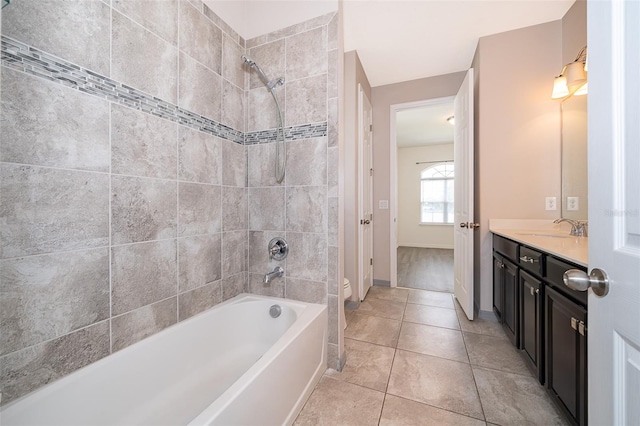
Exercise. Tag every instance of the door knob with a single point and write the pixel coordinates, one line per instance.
(474, 225)
(578, 280)
(464, 224)
(365, 222)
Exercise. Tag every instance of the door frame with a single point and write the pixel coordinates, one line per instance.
(361, 208)
(393, 178)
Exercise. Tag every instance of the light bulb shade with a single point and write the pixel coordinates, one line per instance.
(560, 89)
(582, 90)
(575, 75)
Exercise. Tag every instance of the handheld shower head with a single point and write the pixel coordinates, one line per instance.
(250, 62)
(270, 84)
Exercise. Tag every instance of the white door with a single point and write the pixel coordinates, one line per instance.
(463, 199)
(365, 153)
(614, 211)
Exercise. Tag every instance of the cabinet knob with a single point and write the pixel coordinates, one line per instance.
(578, 280)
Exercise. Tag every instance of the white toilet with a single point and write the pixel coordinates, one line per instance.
(347, 294)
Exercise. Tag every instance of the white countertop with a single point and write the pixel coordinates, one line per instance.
(545, 236)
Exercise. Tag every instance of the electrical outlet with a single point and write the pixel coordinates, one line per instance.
(550, 203)
(573, 204)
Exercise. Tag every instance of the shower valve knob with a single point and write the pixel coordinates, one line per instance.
(278, 248)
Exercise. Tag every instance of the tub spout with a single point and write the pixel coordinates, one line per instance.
(277, 272)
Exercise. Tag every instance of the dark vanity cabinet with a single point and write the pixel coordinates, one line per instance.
(545, 319)
(531, 302)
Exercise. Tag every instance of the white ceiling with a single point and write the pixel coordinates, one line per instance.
(425, 125)
(399, 40)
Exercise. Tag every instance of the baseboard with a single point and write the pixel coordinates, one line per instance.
(433, 246)
(351, 305)
(342, 361)
(382, 283)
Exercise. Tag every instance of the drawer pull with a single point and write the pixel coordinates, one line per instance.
(527, 259)
(574, 323)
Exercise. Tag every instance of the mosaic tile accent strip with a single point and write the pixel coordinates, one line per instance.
(305, 131)
(21, 57)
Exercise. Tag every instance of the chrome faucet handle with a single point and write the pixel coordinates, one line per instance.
(578, 228)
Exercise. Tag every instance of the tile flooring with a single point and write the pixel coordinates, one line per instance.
(425, 268)
(413, 358)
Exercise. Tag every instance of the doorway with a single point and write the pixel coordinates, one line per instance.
(422, 138)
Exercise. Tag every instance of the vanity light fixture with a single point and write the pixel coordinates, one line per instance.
(451, 120)
(573, 78)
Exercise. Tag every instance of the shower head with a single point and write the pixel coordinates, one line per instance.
(271, 84)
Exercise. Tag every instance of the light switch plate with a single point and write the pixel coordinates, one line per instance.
(550, 203)
(383, 204)
(573, 204)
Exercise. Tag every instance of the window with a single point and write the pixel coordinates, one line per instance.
(436, 194)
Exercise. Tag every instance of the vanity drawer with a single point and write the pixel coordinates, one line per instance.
(531, 260)
(555, 269)
(506, 247)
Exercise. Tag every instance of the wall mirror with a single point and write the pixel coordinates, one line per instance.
(574, 158)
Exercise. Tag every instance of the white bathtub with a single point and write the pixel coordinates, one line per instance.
(231, 365)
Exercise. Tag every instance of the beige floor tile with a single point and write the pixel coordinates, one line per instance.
(430, 340)
(495, 352)
(431, 315)
(435, 381)
(403, 412)
(367, 328)
(431, 298)
(484, 323)
(513, 399)
(382, 308)
(367, 365)
(334, 402)
(388, 293)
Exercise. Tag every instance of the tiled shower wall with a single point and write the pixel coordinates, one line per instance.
(304, 207)
(122, 174)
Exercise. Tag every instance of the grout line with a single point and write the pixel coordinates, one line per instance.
(110, 212)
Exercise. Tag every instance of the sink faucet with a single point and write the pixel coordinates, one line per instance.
(277, 272)
(578, 228)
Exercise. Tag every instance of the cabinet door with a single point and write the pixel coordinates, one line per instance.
(510, 307)
(498, 293)
(566, 367)
(531, 321)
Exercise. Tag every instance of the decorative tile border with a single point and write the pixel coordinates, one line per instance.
(305, 131)
(21, 57)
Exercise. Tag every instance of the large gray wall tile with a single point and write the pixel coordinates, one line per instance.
(221, 24)
(234, 164)
(307, 162)
(142, 209)
(47, 296)
(306, 54)
(142, 274)
(262, 112)
(199, 261)
(271, 58)
(306, 291)
(306, 209)
(77, 30)
(332, 32)
(332, 220)
(132, 61)
(332, 73)
(142, 144)
(234, 208)
(200, 89)
(234, 252)
(198, 300)
(234, 285)
(159, 16)
(46, 210)
(30, 368)
(199, 210)
(47, 124)
(306, 100)
(232, 68)
(332, 171)
(267, 209)
(307, 256)
(232, 106)
(261, 167)
(200, 38)
(274, 289)
(136, 325)
(200, 156)
(332, 122)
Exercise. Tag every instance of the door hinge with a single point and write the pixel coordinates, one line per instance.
(371, 127)
(371, 262)
(370, 172)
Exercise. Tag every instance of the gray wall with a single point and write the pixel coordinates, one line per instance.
(123, 174)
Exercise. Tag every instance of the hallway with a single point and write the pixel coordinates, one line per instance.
(414, 359)
(425, 268)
